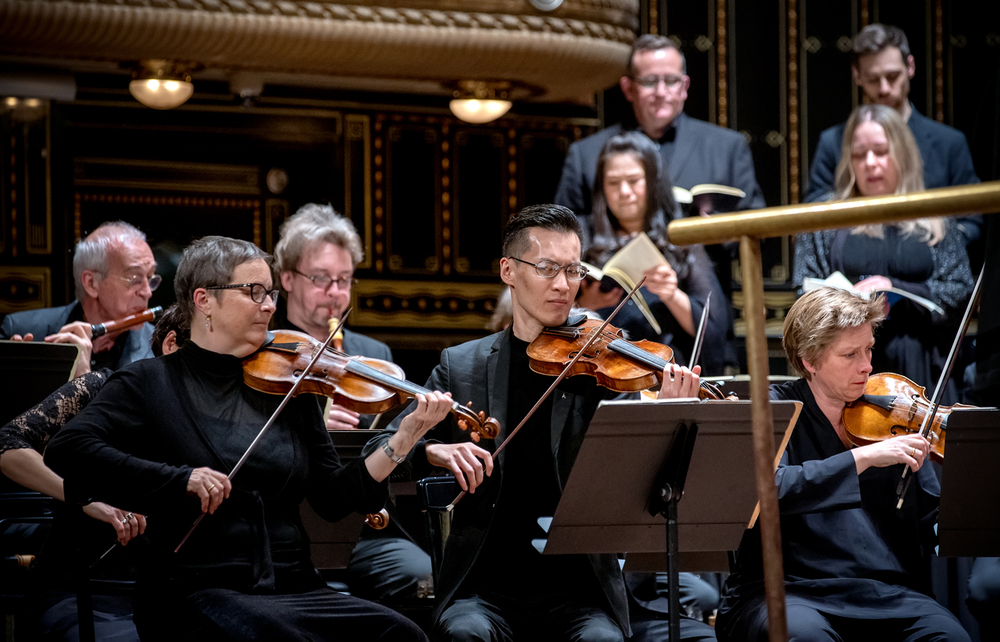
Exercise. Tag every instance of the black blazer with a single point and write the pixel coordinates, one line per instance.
(359, 345)
(703, 153)
(477, 371)
(944, 150)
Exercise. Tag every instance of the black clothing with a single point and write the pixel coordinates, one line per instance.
(848, 553)
(75, 540)
(481, 372)
(946, 158)
(694, 152)
(128, 347)
(191, 409)
(513, 567)
(913, 341)
(387, 564)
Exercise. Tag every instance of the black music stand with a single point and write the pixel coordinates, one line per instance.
(30, 371)
(659, 450)
(968, 522)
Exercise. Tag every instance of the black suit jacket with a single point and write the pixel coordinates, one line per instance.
(48, 321)
(944, 150)
(359, 345)
(703, 153)
(477, 371)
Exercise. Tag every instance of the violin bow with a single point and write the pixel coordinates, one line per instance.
(699, 336)
(925, 427)
(270, 422)
(562, 375)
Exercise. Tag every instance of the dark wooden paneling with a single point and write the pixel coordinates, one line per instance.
(828, 94)
(693, 24)
(541, 160)
(413, 198)
(479, 204)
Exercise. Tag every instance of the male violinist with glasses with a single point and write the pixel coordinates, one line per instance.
(115, 275)
(492, 584)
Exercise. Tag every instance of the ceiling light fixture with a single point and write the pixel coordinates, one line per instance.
(161, 84)
(480, 101)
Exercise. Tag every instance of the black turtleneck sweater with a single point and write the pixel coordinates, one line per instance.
(135, 445)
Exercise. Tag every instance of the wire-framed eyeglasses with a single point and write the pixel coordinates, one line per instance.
(135, 281)
(258, 292)
(323, 282)
(549, 269)
(653, 81)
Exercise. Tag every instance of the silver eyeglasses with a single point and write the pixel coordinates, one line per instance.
(258, 292)
(549, 269)
(653, 81)
(324, 282)
(136, 280)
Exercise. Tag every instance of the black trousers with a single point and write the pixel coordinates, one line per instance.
(490, 617)
(222, 614)
(806, 623)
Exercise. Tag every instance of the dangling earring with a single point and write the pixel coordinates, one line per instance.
(208, 322)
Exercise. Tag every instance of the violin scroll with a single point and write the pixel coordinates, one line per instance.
(481, 425)
(378, 520)
(709, 390)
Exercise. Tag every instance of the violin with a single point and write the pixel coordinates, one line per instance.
(891, 406)
(616, 363)
(361, 384)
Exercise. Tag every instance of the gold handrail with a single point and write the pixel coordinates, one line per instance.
(809, 217)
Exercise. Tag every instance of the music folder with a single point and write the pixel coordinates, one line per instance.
(604, 507)
(968, 521)
(30, 371)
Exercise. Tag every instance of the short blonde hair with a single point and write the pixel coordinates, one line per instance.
(904, 154)
(819, 316)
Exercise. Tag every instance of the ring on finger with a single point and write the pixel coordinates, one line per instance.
(128, 518)
(211, 487)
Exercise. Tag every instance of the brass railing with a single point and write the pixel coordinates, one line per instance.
(751, 226)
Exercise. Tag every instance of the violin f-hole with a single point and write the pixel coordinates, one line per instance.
(586, 355)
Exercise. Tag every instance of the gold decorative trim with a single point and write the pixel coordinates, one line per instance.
(424, 304)
(379, 229)
(358, 128)
(448, 226)
(167, 176)
(577, 50)
(38, 233)
(25, 288)
(938, 62)
(722, 69)
(168, 200)
(776, 305)
(794, 144)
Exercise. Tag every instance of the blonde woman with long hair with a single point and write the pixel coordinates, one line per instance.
(926, 257)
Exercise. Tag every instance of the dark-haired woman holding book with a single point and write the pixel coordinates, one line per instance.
(632, 195)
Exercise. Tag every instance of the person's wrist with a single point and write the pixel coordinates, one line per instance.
(400, 444)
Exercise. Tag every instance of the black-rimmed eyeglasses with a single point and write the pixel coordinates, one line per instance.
(258, 292)
(323, 282)
(549, 269)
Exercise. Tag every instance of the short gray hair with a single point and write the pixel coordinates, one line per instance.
(91, 252)
(208, 261)
(312, 224)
